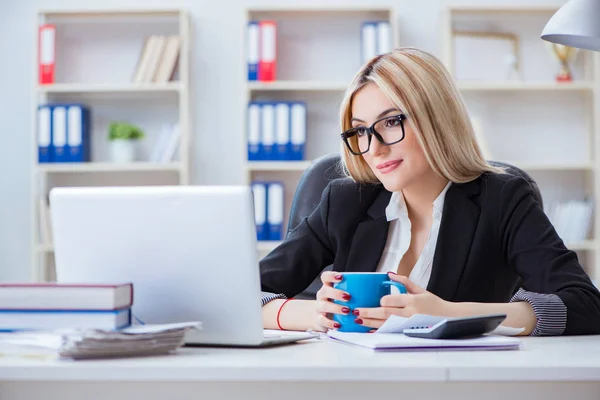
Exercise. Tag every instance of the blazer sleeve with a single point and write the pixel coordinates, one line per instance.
(293, 265)
(534, 248)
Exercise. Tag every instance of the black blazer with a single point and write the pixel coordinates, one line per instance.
(492, 232)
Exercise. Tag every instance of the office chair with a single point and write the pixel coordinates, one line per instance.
(327, 168)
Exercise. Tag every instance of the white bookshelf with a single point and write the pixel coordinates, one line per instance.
(100, 74)
(547, 128)
(174, 87)
(318, 53)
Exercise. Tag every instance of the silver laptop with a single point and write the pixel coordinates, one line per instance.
(190, 252)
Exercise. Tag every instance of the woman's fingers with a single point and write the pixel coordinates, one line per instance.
(331, 277)
(326, 323)
(328, 307)
(370, 323)
(328, 292)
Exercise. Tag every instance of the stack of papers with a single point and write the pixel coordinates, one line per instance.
(141, 340)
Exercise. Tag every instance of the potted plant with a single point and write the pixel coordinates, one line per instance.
(123, 139)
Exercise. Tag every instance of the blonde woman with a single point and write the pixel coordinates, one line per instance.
(422, 204)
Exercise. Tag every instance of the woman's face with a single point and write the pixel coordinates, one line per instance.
(399, 165)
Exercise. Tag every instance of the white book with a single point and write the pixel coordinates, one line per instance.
(143, 60)
(168, 61)
(59, 296)
(170, 149)
(156, 53)
(161, 143)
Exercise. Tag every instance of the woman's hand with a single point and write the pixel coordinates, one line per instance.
(325, 305)
(416, 301)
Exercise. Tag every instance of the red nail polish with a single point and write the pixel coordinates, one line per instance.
(358, 321)
(339, 277)
(346, 296)
(345, 310)
(356, 312)
(337, 325)
(392, 272)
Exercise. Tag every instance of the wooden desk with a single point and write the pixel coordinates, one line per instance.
(565, 368)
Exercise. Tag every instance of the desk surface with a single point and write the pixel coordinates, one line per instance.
(556, 359)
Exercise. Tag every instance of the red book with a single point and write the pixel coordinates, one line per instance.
(46, 53)
(63, 296)
(267, 64)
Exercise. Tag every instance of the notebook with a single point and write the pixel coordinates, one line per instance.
(401, 342)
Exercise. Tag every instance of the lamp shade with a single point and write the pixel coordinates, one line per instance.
(575, 24)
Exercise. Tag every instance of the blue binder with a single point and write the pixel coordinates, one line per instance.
(78, 135)
(267, 131)
(282, 131)
(259, 191)
(59, 133)
(44, 133)
(254, 128)
(253, 54)
(297, 131)
(275, 209)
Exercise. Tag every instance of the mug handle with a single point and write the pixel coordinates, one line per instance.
(401, 288)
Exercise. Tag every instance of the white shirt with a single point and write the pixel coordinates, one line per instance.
(399, 237)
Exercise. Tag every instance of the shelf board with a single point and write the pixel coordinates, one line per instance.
(107, 167)
(320, 8)
(525, 86)
(589, 245)
(277, 165)
(315, 86)
(553, 167)
(267, 245)
(110, 88)
(522, 9)
(83, 13)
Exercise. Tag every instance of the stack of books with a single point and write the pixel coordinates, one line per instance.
(51, 306)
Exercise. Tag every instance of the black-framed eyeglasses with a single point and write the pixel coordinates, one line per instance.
(388, 130)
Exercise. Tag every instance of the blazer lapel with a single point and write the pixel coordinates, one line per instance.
(370, 236)
(459, 222)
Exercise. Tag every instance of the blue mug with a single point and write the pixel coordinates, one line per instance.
(366, 290)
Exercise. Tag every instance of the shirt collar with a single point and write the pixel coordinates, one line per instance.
(397, 205)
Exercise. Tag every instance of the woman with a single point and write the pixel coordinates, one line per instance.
(422, 204)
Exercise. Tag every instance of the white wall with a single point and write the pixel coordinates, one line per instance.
(219, 147)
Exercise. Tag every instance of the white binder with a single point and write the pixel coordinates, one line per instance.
(368, 41)
(384, 44)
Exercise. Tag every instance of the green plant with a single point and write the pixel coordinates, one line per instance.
(124, 131)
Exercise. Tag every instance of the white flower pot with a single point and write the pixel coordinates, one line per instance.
(123, 151)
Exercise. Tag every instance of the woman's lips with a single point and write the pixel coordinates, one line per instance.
(388, 166)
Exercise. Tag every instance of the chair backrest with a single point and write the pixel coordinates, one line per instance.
(327, 168)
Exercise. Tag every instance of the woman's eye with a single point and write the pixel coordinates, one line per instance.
(361, 131)
(392, 122)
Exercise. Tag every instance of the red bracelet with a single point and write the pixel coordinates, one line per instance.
(279, 313)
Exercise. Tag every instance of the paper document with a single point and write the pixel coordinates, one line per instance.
(141, 340)
(398, 341)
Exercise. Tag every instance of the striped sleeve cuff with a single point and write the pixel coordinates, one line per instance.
(549, 309)
(266, 297)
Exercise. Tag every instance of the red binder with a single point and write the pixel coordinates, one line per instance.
(267, 65)
(46, 53)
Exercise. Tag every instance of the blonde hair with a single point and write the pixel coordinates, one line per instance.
(417, 83)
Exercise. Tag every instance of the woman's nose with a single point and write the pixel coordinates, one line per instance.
(376, 147)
